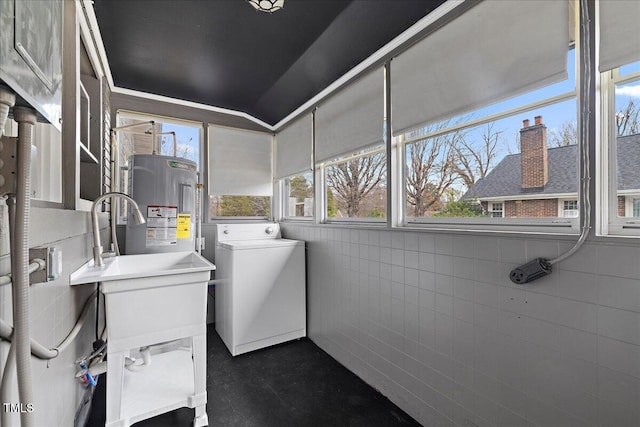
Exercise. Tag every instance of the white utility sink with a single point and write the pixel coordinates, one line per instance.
(125, 267)
(151, 299)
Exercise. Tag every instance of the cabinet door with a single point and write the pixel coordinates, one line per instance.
(31, 53)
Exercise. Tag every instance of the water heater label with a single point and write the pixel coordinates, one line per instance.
(161, 237)
(162, 223)
(184, 226)
(162, 212)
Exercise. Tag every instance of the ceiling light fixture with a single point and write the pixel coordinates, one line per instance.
(268, 6)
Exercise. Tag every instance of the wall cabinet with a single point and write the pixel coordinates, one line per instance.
(31, 54)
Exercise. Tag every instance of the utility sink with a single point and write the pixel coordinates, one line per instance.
(151, 299)
(125, 267)
(148, 297)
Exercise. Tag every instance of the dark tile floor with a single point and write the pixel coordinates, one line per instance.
(292, 384)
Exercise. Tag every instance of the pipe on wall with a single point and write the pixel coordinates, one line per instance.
(26, 118)
(7, 100)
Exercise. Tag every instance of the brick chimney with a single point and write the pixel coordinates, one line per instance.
(534, 158)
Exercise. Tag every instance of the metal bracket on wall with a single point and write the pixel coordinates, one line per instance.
(52, 256)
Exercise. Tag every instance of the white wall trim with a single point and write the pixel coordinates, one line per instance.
(190, 104)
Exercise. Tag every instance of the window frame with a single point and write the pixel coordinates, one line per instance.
(323, 188)
(494, 211)
(569, 226)
(118, 175)
(283, 189)
(635, 208)
(608, 221)
(562, 208)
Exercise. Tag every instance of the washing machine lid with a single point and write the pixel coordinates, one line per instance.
(238, 245)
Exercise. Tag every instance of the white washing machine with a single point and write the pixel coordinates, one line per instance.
(260, 287)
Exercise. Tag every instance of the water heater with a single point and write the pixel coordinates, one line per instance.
(165, 189)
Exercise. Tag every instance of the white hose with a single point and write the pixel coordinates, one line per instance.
(36, 265)
(40, 351)
(26, 119)
(7, 100)
(7, 374)
(10, 363)
(134, 365)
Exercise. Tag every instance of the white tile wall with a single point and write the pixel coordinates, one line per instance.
(54, 308)
(432, 320)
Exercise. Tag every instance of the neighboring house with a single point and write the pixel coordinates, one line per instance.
(542, 182)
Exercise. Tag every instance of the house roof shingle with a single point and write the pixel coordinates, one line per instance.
(505, 179)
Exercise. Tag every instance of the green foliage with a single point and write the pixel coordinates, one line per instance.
(461, 208)
(300, 188)
(244, 206)
(377, 213)
(332, 205)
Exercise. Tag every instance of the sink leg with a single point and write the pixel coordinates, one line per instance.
(199, 351)
(115, 382)
(202, 420)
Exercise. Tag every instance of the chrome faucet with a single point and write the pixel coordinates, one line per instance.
(138, 218)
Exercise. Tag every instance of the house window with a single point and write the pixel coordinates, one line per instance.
(467, 140)
(240, 178)
(350, 153)
(299, 196)
(619, 65)
(293, 169)
(145, 134)
(621, 115)
(356, 186)
(636, 208)
(570, 209)
(496, 210)
(454, 167)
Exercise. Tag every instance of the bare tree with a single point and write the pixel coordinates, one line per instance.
(628, 120)
(353, 180)
(474, 159)
(567, 135)
(430, 170)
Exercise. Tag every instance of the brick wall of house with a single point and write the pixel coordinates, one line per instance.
(621, 205)
(539, 208)
(534, 157)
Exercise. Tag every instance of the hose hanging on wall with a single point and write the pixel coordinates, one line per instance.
(26, 119)
(541, 267)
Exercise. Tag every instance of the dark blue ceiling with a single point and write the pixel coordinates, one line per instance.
(225, 54)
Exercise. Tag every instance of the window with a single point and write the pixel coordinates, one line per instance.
(626, 123)
(497, 210)
(458, 168)
(569, 209)
(239, 206)
(480, 140)
(349, 150)
(619, 53)
(356, 186)
(299, 196)
(293, 168)
(240, 179)
(636, 208)
(145, 134)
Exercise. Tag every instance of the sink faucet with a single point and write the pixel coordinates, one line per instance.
(138, 218)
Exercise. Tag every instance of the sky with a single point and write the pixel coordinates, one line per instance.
(188, 138)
